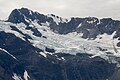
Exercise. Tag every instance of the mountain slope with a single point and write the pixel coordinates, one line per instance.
(35, 46)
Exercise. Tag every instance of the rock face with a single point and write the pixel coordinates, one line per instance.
(18, 56)
(89, 26)
(27, 57)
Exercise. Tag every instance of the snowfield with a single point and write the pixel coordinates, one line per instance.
(104, 45)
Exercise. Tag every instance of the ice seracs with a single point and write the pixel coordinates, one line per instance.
(70, 43)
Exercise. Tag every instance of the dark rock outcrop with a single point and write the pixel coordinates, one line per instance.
(72, 67)
(17, 55)
(89, 26)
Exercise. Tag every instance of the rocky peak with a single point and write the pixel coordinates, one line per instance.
(25, 15)
(89, 26)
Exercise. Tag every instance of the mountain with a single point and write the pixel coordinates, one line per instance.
(35, 46)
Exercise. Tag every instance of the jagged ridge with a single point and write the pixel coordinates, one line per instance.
(16, 45)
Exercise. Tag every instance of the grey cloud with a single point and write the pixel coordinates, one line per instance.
(65, 8)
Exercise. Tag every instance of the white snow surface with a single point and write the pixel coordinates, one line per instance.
(26, 76)
(43, 54)
(57, 19)
(16, 77)
(8, 53)
(71, 43)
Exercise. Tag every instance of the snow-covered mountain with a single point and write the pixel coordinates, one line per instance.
(35, 46)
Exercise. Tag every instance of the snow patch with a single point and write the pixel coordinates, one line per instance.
(57, 19)
(71, 43)
(8, 53)
(16, 77)
(43, 54)
(62, 58)
(79, 25)
(26, 76)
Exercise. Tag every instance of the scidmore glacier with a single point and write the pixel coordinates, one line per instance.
(35, 46)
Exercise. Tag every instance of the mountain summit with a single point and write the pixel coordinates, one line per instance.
(35, 46)
(89, 26)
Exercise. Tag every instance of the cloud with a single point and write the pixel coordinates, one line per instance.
(65, 8)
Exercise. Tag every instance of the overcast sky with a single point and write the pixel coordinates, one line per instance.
(65, 8)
